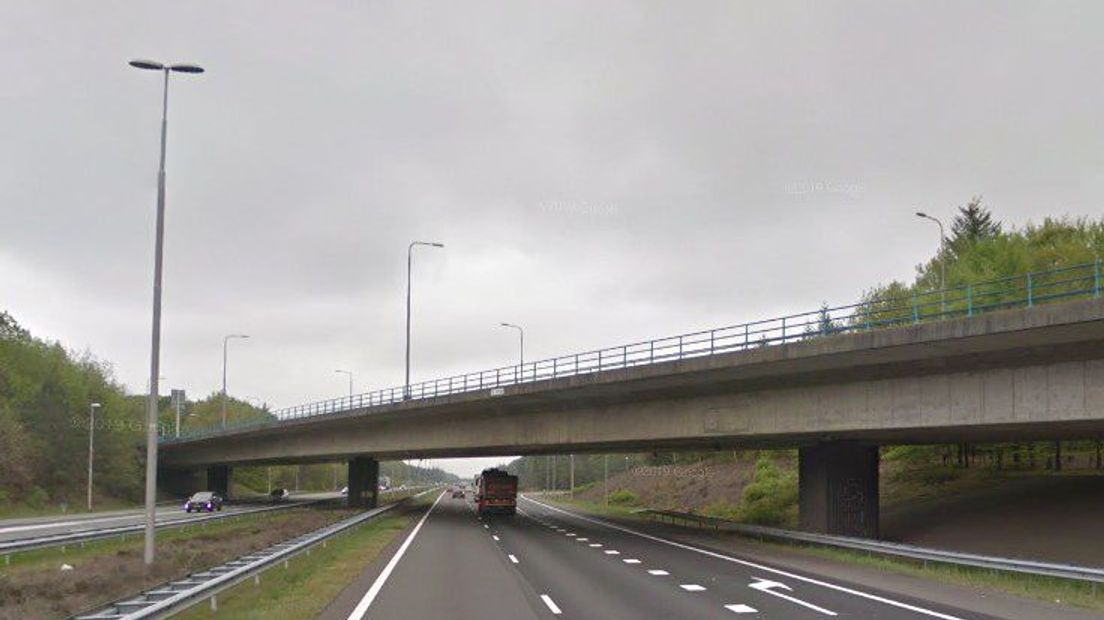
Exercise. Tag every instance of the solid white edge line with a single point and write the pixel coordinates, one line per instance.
(361, 609)
(551, 604)
(720, 556)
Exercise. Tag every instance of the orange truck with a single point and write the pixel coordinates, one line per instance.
(496, 492)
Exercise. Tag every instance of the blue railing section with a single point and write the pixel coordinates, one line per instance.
(1027, 290)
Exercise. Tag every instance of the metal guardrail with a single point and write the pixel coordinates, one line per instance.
(174, 596)
(10, 547)
(1027, 290)
(1046, 569)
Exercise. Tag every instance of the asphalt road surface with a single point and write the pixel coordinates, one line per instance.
(19, 529)
(546, 562)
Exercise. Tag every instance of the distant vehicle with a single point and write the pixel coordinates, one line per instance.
(279, 495)
(496, 491)
(203, 501)
(458, 493)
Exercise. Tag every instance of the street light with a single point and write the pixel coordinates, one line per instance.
(350, 373)
(521, 354)
(942, 261)
(226, 341)
(409, 263)
(155, 352)
(91, 430)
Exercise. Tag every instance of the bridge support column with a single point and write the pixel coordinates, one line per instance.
(218, 479)
(838, 489)
(363, 482)
(177, 483)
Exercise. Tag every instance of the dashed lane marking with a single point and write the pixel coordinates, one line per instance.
(691, 587)
(631, 561)
(513, 558)
(612, 552)
(495, 537)
(720, 556)
(658, 573)
(741, 609)
(551, 604)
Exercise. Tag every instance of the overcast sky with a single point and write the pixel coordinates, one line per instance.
(599, 172)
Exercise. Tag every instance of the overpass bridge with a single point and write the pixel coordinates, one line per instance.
(1014, 359)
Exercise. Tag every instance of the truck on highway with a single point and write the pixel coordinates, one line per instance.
(496, 492)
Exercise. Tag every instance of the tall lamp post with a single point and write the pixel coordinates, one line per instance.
(91, 430)
(521, 352)
(350, 373)
(225, 342)
(155, 353)
(942, 261)
(409, 264)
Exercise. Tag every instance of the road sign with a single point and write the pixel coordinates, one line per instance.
(178, 399)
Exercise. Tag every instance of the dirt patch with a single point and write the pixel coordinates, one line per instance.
(1058, 518)
(39, 592)
(690, 487)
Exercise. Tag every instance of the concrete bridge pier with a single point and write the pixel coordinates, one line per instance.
(177, 483)
(218, 480)
(363, 482)
(838, 489)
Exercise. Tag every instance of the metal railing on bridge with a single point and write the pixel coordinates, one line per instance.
(1026, 290)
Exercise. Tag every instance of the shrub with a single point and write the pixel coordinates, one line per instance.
(771, 497)
(623, 497)
(37, 498)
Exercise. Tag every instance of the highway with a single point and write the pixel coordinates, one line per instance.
(546, 562)
(20, 529)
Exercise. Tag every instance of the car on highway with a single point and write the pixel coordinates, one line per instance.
(279, 495)
(458, 493)
(203, 501)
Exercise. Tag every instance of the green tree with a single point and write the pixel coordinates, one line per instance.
(972, 224)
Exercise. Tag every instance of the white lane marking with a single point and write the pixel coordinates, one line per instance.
(570, 534)
(595, 545)
(741, 609)
(658, 572)
(721, 556)
(631, 561)
(692, 587)
(495, 537)
(551, 604)
(612, 552)
(581, 539)
(486, 527)
(361, 609)
(513, 558)
(768, 587)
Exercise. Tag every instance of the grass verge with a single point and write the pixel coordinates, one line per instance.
(1050, 589)
(35, 585)
(310, 582)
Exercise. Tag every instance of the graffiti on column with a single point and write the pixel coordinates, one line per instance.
(853, 506)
